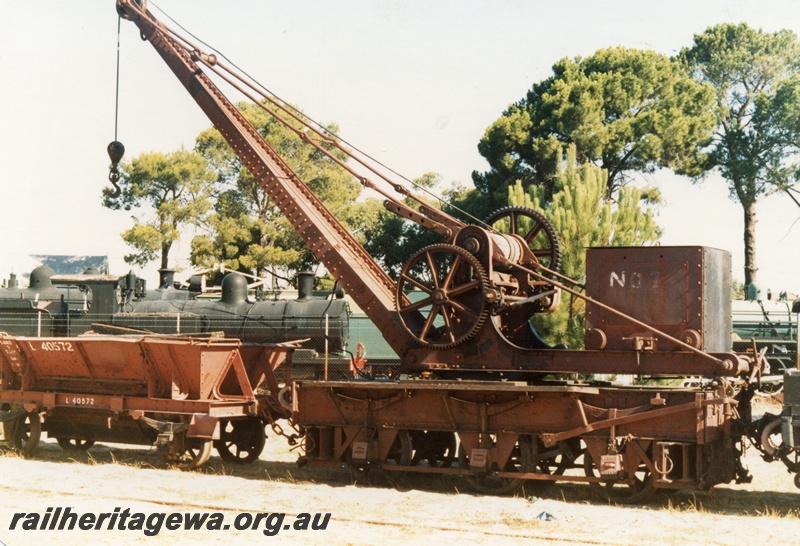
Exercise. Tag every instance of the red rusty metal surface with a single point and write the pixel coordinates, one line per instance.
(442, 405)
(145, 390)
(682, 291)
(502, 357)
(349, 421)
(147, 373)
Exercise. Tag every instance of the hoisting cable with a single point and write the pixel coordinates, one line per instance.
(272, 98)
(116, 94)
(115, 148)
(232, 77)
(298, 132)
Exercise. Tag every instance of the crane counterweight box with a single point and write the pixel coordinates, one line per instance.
(683, 291)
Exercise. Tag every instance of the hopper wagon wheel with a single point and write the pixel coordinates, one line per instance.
(26, 430)
(400, 453)
(241, 441)
(441, 296)
(534, 228)
(522, 460)
(639, 490)
(75, 444)
(557, 460)
(195, 453)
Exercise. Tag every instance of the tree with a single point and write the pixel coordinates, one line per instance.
(246, 229)
(394, 240)
(584, 217)
(625, 110)
(756, 77)
(171, 191)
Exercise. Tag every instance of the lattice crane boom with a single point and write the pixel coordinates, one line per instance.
(356, 271)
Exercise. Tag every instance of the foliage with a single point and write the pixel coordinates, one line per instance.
(171, 191)
(394, 240)
(584, 217)
(246, 230)
(756, 77)
(737, 290)
(625, 110)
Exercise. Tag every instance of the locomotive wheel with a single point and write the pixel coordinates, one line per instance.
(640, 490)
(488, 483)
(401, 451)
(195, 454)
(434, 447)
(532, 226)
(454, 306)
(74, 444)
(26, 430)
(241, 441)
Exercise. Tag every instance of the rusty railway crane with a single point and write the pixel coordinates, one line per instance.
(474, 399)
(482, 285)
(480, 288)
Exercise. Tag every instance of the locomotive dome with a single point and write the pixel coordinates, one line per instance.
(40, 277)
(234, 288)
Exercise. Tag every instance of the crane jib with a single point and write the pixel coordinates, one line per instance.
(357, 272)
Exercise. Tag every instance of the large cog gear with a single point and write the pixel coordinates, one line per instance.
(441, 296)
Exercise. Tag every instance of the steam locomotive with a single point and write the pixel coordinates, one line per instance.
(70, 305)
(770, 327)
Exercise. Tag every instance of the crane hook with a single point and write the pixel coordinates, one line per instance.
(115, 152)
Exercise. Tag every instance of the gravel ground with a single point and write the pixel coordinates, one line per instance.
(427, 510)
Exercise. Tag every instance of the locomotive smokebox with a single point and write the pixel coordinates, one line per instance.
(683, 291)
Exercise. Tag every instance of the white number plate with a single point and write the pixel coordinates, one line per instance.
(65, 346)
(81, 400)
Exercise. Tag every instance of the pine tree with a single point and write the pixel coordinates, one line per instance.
(584, 217)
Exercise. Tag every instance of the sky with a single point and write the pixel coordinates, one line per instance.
(414, 83)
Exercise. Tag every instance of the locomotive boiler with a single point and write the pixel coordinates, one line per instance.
(236, 315)
(62, 305)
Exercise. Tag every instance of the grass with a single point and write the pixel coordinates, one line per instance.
(774, 498)
(10, 452)
(714, 504)
(691, 505)
(770, 512)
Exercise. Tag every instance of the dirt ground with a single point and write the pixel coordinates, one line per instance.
(422, 510)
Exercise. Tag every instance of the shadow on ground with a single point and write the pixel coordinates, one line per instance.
(727, 499)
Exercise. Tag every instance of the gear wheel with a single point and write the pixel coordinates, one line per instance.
(441, 296)
(535, 228)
